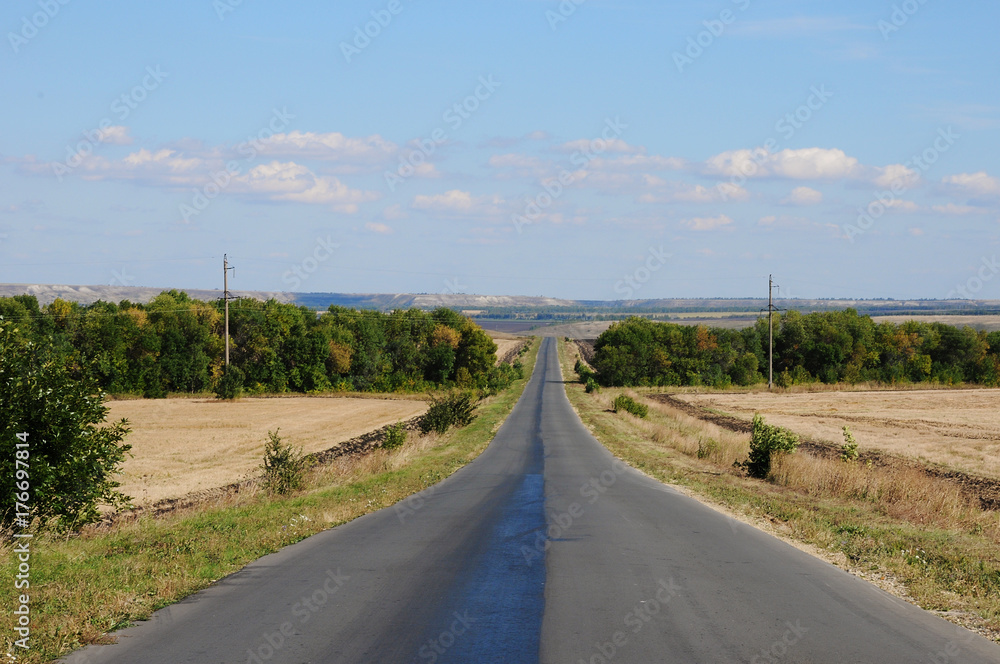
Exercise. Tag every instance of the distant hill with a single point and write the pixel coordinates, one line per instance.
(89, 294)
(515, 306)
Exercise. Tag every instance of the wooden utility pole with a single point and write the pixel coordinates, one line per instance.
(770, 332)
(225, 296)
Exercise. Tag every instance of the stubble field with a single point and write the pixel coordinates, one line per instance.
(184, 445)
(957, 429)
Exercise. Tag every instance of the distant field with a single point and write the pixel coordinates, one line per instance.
(505, 343)
(593, 329)
(959, 429)
(185, 445)
(988, 323)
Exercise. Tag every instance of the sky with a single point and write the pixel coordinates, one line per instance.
(585, 149)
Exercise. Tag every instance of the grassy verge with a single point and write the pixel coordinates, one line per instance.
(85, 586)
(900, 531)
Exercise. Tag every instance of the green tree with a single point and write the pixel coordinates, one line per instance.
(71, 459)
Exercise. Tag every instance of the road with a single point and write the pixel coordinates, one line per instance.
(544, 549)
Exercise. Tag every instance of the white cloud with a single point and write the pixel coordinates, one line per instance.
(804, 164)
(676, 191)
(458, 202)
(520, 165)
(116, 135)
(600, 146)
(394, 212)
(896, 175)
(959, 210)
(331, 146)
(902, 205)
(803, 196)
(288, 181)
(707, 223)
(638, 162)
(976, 184)
(381, 229)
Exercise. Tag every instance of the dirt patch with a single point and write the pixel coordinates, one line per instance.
(509, 349)
(586, 349)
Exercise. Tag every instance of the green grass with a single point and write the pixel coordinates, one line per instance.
(943, 569)
(83, 587)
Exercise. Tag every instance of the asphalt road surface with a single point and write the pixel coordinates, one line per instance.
(544, 549)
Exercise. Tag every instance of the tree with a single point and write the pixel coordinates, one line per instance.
(70, 458)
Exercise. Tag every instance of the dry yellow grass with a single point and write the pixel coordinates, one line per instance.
(504, 346)
(957, 429)
(185, 445)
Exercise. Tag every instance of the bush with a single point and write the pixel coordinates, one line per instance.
(630, 405)
(849, 450)
(230, 385)
(707, 447)
(395, 436)
(68, 467)
(284, 468)
(592, 386)
(453, 409)
(766, 441)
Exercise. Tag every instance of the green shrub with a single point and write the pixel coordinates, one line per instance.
(766, 441)
(453, 409)
(592, 386)
(230, 385)
(284, 468)
(57, 451)
(630, 405)
(849, 450)
(706, 447)
(395, 436)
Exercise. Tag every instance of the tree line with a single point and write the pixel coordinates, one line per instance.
(828, 347)
(175, 344)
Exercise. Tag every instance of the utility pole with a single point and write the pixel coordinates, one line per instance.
(225, 296)
(770, 331)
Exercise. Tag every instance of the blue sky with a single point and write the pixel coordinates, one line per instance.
(600, 150)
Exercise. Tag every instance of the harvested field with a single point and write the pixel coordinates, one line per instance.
(507, 345)
(951, 430)
(184, 445)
